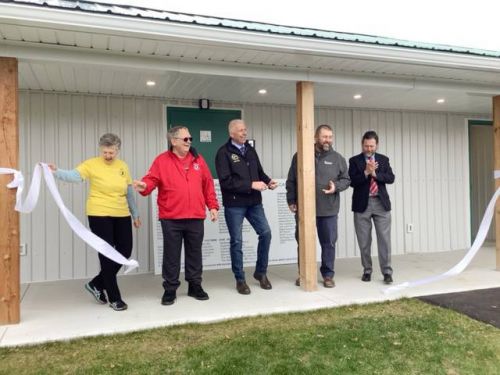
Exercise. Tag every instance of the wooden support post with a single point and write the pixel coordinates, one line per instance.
(9, 219)
(496, 167)
(306, 186)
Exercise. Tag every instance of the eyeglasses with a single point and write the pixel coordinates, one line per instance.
(185, 139)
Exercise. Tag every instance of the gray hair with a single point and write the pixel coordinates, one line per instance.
(233, 123)
(110, 140)
(173, 133)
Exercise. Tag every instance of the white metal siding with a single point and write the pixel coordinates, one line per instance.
(428, 152)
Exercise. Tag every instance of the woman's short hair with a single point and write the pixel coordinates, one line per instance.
(110, 140)
(173, 133)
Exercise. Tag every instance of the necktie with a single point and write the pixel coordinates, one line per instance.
(243, 149)
(373, 184)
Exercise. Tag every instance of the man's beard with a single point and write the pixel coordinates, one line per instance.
(326, 146)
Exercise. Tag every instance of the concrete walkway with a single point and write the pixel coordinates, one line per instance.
(63, 310)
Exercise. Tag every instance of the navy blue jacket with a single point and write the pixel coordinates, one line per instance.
(361, 183)
(236, 173)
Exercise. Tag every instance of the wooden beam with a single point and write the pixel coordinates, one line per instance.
(306, 186)
(496, 152)
(9, 219)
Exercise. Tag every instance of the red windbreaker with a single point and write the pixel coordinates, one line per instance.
(185, 186)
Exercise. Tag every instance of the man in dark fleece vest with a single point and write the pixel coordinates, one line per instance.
(331, 179)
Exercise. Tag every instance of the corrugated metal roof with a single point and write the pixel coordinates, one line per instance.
(208, 21)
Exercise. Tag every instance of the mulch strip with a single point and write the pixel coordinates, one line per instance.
(482, 304)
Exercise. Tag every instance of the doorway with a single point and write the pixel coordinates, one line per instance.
(482, 184)
(208, 127)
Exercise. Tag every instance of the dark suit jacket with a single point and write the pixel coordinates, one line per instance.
(361, 183)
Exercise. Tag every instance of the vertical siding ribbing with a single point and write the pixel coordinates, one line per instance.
(428, 152)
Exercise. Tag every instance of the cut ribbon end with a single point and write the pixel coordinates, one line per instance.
(17, 181)
(396, 288)
(131, 265)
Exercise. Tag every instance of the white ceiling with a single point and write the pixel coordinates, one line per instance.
(57, 58)
(52, 76)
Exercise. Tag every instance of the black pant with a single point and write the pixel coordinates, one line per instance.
(117, 231)
(174, 231)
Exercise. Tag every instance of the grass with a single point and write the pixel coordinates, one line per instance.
(399, 337)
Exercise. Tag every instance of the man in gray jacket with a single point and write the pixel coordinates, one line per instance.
(331, 178)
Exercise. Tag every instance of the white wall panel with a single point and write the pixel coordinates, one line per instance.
(428, 152)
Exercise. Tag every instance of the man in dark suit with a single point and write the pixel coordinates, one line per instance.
(369, 173)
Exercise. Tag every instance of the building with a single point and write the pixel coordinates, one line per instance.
(83, 69)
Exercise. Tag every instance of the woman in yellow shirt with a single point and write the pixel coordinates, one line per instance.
(110, 205)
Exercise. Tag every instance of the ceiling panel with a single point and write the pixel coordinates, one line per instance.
(116, 43)
(47, 36)
(100, 41)
(148, 47)
(83, 39)
(29, 34)
(67, 38)
(132, 45)
(10, 32)
(85, 79)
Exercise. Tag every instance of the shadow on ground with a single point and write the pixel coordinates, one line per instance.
(482, 304)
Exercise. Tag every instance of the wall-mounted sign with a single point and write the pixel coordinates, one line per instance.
(206, 136)
(216, 241)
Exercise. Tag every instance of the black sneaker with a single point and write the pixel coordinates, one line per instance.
(99, 295)
(118, 305)
(168, 298)
(196, 291)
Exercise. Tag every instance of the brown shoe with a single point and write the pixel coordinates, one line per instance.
(263, 280)
(297, 282)
(242, 287)
(328, 282)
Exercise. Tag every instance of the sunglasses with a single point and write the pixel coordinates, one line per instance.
(185, 139)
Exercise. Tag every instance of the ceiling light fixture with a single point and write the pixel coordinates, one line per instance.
(150, 83)
(357, 96)
(262, 91)
(440, 101)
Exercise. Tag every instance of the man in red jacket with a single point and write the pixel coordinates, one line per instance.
(185, 189)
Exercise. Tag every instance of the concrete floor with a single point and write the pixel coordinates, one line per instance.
(63, 310)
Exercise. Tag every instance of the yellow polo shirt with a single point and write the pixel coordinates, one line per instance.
(108, 187)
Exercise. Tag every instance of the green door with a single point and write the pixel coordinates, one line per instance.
(208, 127)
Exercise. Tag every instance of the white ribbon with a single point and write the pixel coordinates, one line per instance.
(80, 230)
(460, 266)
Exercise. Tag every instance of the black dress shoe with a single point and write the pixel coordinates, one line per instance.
(168, 298)
(387, 278)
(366, 277)
(196, 291)
(242, 287)
(263, 280)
